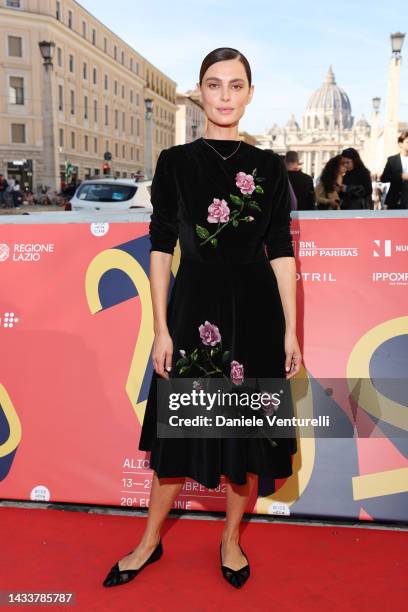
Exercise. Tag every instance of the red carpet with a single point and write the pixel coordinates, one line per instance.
(294, 567)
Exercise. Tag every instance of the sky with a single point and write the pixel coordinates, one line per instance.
(290, 46)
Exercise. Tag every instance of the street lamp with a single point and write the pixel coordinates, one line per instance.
(47, 52)
(397, 40)
(148, 144)
(392, 106)
(376, 104)
(148, 107)
(50, 150)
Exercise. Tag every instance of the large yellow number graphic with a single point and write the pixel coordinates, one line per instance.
(377, 404)
(13, 421)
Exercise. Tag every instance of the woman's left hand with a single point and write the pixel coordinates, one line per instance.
(293, 355)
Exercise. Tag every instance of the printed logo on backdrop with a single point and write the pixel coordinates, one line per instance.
(9, 319)
(384, 248)
(28, 251)
(99, 229)
(316, 277)
(310, 249)
(4, 251)
(40, 493)
(390, 278)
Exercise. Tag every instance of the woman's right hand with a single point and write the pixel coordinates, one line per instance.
(162, 353)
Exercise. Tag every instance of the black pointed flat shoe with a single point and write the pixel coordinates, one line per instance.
(117, 577)
(235, 577)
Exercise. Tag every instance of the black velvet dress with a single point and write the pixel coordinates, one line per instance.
(231, 216)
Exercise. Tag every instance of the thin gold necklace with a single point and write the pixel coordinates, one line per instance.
(223, 157)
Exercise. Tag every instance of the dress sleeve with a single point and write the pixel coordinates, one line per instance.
(163, 228)
(278, 239)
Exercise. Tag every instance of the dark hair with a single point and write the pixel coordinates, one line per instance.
(221, 54)
(354, 155)
(329, 174)
(402, 136)
(292, 157)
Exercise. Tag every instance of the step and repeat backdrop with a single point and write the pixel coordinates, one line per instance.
(75, 344)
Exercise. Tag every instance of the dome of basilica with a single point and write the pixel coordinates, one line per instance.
(328, 108)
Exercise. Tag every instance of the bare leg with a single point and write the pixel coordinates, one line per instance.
(237, 499)
(164, 492)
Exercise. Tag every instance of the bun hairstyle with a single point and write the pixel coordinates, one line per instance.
(221, 54)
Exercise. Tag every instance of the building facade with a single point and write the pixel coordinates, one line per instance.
(327, 128)
(190, 117)
(92, 100)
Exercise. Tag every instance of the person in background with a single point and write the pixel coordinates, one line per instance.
(396, 173)
(16, 194)
(3, 189)
(301, 182)
(356, 189)
(329, 187)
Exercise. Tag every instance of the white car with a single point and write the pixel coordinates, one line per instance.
(112, 194)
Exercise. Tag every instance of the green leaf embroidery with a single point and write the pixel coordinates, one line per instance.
(225, 356)
(202, 232)
(235, 199)
(254, 172)
(254, 205)
(235, 223)
(259, 189)
(213, 242)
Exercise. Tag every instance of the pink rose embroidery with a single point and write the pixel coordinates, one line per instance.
(245, 182)
(237, 372)
(218, 211)
(209, 334)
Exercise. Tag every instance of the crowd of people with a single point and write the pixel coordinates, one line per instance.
(346, 184)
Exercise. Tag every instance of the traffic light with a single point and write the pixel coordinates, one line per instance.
(105, 168)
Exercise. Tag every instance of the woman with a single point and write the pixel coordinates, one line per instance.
(331, 180)
(356, 190)
(228, 202)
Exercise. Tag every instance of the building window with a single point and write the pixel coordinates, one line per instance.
(115, 88)
(59, 57)
(13, 4)
(72, 94)
(85, 70)
(105, 45)
(131, 153)
(84, 29)
(123, 122)
(85, 107)
(16, 92)
(137, 99)
(58, 10)
(122, 57)
(116, 119)
(137, 154)
(106, 81)
(71, 63)
(131, 96)
(124, 151)
(93, 36)
(72, 140)
(70, 19)
(131, 64)
(95, 110)
(95, 145)
(115, 52)
(116, 150)
(15, 46)
(137, 127)
(123, 92)
(18, 133)
(106, 114)
(132, 124)
(86, 142)
(94, 76)
(60, 98)
(61, 137)
(106, 145)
